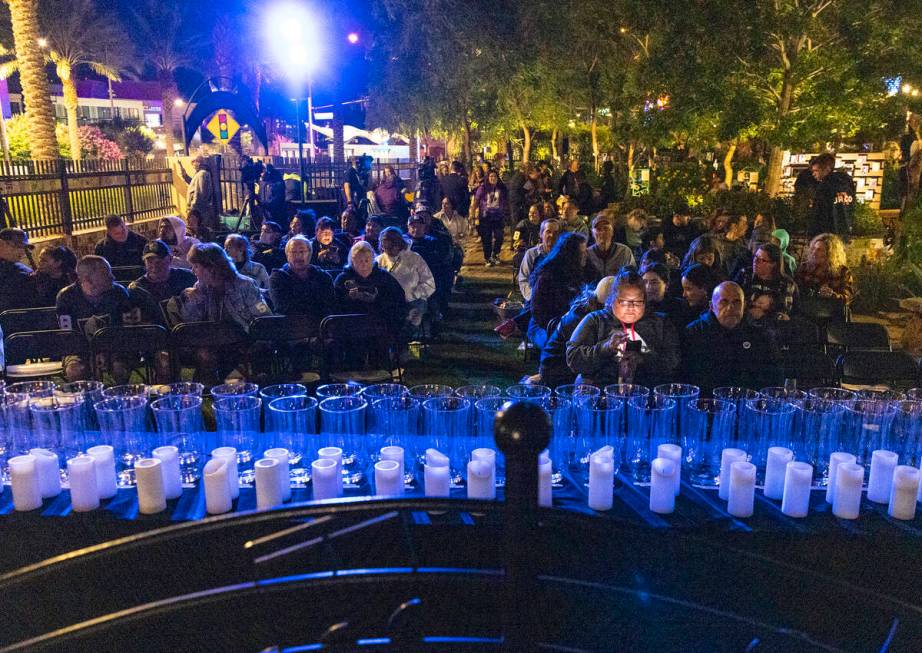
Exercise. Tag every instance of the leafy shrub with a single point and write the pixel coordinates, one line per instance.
(866, 221)
(878, 285)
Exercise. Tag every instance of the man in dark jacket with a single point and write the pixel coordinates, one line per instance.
(121, 247)
(299, 288)
(436, 252)
(454, 187)
(722, 349)
(833, 198)
(266, 250)
(160, 282)
(569, 180)
(14, 276)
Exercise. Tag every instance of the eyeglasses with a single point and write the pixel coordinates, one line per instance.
(759, 259)
(631, 303)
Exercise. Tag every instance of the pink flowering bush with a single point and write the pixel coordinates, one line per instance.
(95, 145)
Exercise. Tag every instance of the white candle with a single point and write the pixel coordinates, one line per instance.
(49, 472)
(601, 479)
(672, 452)
(326, 479)
(388, 478)
(268, 484)
(284, 474)
(395, 453)
(727, 458)
(846, 502)
(436, 457)
(487, 456)
(903, 492)
(437, 479)
(545, 473)
(662, 485)
(480, 480)
(775, 470)
(104, 463)
(27, 493)
(881, 477)
(217, 489)
(836, 458)
(172, 478)
(798, 477)
(148, 473)
(229, 455)
(742, 489)
(84, 493)
(336, 455)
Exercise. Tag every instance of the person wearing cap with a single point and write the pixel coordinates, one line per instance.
(553, 370)
(201, 194)
(160, 282)
(121, 246)
(14, 276)
(267, 250)
(606, 257)
(57, 268)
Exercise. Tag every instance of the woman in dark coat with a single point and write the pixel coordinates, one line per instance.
(555, 282)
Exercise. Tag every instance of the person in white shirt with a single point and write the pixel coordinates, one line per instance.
(550, 230)
(455, 223)
(410, 270)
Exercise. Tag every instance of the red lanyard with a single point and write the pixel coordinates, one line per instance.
(633, 333)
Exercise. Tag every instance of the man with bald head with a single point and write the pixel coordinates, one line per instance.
(722, 349)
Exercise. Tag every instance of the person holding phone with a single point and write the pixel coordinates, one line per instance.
(622, 343)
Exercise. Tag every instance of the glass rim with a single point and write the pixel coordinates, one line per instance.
(725, 405)
(107, 405)
(275, 405)
(65, 388)
(646, 391)
(789, 394)
(407, 402)
(542, 389)
(159, 404)
(752, 394)
(640, 402)
(13, 398)
(579, 389)
(814, 392)
(691, 390)
(498, 390)
(876, 406)
(587, 402)
(481, 404)
(348, 384)
(432, 404)
(441, 386)
(167, 389)
(302, 390)
(55, 403)
(249, 389)
(223, 404)
(360, 403)
(371, 390)
(785, 405)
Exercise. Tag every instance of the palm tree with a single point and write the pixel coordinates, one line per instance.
(166, 47)
(78, 35)
(35, 92)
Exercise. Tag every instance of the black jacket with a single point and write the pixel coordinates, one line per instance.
(122, 254)
(388, 301)
(714, 356)
(311, 297)
(553, 367)
(454, 187)
(15, 286)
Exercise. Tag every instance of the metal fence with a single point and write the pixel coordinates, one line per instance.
(57, 196)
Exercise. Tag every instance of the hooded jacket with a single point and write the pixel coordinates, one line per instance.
(183, 244)
(784, 239)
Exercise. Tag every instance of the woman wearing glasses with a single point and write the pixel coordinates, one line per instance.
(622, 343)
(767, 276)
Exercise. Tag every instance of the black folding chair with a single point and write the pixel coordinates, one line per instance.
(895, 369)
(128, 273)
(857, 335)
(358, 347)
(810, 366)
(222, 337)
(17, 320)
(288, 339)
(40, 354)
(136, 343)
(798, 332)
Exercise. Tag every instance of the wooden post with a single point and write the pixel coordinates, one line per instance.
(129, 202)
(66, 215)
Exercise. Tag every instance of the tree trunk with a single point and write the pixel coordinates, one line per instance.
(630, 165)
(773, 174)
(466, 145)
(70, 104)
(35, 92)
(526, 143)
(593, 127)
(728, 164)
(168, 95)
(554, 145)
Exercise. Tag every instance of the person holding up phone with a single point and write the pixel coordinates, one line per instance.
(622, 343)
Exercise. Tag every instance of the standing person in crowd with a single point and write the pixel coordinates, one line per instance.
(825, 272)
(363, 287)
(569, 180)
(679, 232)
(356, 186)
(553, 370)
(411, 273)
(606, 257)
(300, 288)
(121, 246)
(57, 268)
(782, 238)
(14, 276)
(833, 198)
(550, 232)
(457, 227)
(698, 283)
(767, 275)
(556, 280)
(328, 252)
(268, 250)
(655, 281)
(94, 301)
(221, 293)
(454, 188)
(571, 219)
(172, 231)
(630, 232)
(160, 282)
(611, 190)
(733, 246)
(389, 194)
(491, 208)
(272, 195)
(525, 235)
(201, 196)
(238, 249)
(722, 349)
(623, 343)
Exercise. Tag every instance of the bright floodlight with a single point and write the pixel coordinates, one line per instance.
(292, 34)
(353, 38)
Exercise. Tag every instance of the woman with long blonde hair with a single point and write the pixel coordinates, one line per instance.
(825, 272)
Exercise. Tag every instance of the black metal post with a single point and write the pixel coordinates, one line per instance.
(129, 200)
(522, 430)
(67, 221)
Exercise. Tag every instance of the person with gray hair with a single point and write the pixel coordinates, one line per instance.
(238, 249)
(363, 287)
(299, 288)
(721, 348)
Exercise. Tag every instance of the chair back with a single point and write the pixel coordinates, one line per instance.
(17, 320)
(896, 369)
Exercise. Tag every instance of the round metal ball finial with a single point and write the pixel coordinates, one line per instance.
(522, 428)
